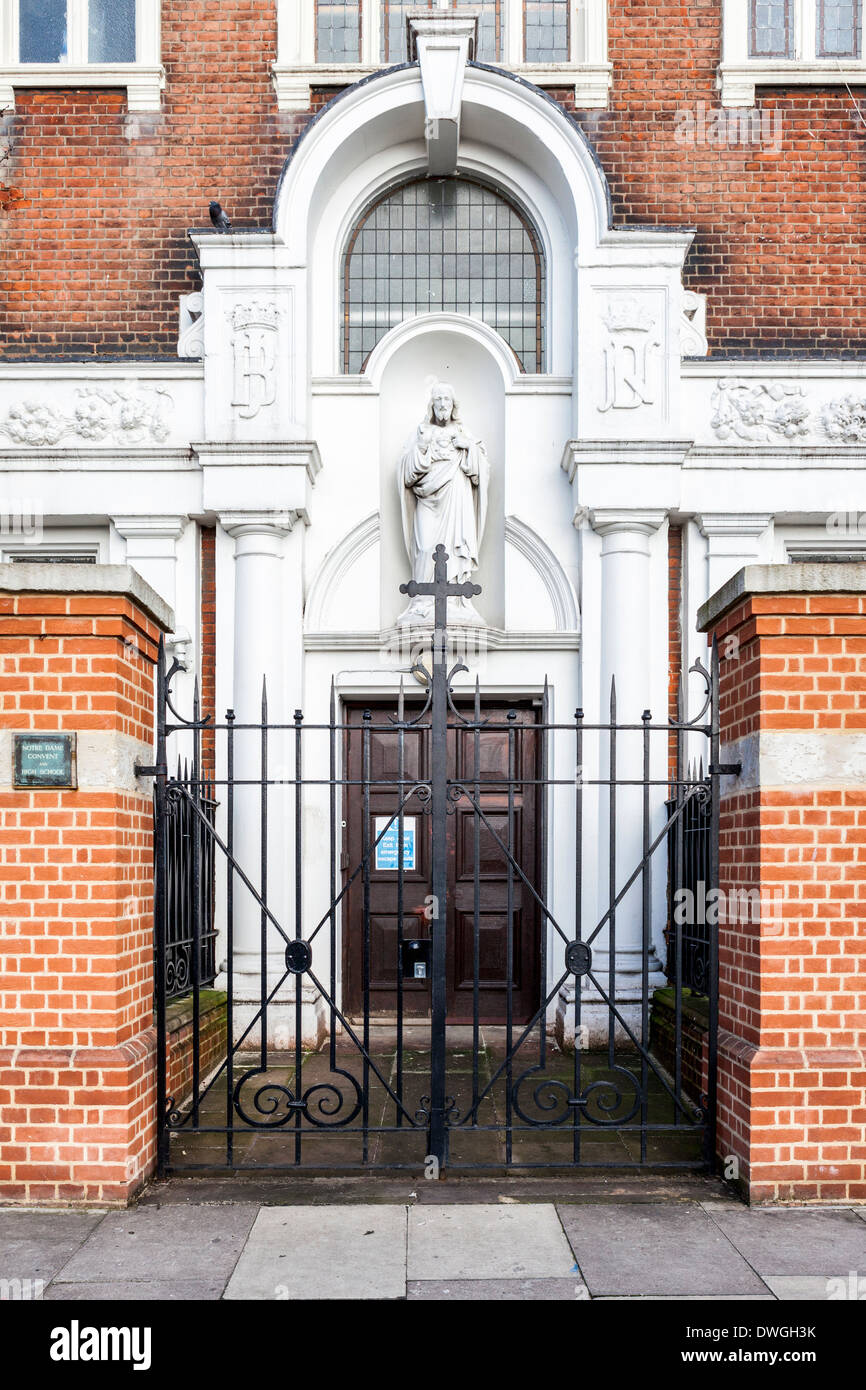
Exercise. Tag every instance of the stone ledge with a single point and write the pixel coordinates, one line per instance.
(756, 1057)
(87, 579)
(782, 579)
(179, 1012)
(137, 1049)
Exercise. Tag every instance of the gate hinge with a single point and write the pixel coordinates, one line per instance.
(141, 771)
(725, 769)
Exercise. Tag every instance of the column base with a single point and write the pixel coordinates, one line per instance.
(596, 1014)
(281, 1021)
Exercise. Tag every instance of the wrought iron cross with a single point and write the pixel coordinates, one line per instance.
(440, 590)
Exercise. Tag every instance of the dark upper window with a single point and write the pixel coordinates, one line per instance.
(439, 245)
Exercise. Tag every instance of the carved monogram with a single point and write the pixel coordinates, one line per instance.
(629, 356)
(254, 345)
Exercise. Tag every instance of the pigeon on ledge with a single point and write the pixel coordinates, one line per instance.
(218, 218)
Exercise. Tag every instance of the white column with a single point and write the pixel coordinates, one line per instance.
(732, 542)
(625, 658)
(267, 640)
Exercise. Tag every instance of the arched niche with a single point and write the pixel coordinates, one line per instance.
(478, 365)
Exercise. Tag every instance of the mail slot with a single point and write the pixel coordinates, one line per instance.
(416, 959)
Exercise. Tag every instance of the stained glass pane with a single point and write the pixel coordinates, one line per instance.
(771, 29)
(111, 31)
(839, 29)
(546, 31)
(338, 31)
(444, 244)
(42, 31)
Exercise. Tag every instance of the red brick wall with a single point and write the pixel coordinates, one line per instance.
(76, 976)
(212, 1035)
(792, 1078)
(94, 208)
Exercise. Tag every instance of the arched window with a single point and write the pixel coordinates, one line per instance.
(439, 245)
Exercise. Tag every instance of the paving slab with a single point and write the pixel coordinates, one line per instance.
(684, 1298)
(138, 1244)
(329, 1252)
(37, 1244)
(653, 1249)
(811, 1287)
(487, 1242)
(497, 1290)
(131, 1290)
(796, 1241)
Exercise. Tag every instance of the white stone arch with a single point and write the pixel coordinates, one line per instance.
(517, 139)
(334, 571)
(371, 138)
(459, 325)
(557, 586)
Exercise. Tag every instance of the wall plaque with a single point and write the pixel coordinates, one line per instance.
(44, 760)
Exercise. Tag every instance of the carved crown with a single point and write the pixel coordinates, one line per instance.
(627, 316)
(254, 314)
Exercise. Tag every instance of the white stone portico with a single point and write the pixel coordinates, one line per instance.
(258, 431)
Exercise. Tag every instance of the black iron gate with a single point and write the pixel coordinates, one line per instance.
(301, 1082)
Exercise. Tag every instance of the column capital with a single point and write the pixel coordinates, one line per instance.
(641, 521)
(150, 528)
(275, 525)
(751, 524)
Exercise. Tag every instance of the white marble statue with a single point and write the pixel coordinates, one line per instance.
(443, 479)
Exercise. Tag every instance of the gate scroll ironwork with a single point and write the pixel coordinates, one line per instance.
(408, 1089)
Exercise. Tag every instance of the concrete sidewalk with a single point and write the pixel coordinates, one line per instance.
(508, 1249)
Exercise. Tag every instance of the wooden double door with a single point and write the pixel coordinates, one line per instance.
(492, 919)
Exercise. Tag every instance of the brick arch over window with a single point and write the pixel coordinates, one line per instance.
(443, 245)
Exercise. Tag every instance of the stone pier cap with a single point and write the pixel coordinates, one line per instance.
(815, 578)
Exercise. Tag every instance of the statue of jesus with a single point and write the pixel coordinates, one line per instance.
(444, 474)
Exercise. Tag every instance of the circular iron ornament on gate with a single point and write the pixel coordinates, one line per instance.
(578, 958)
(299, 957)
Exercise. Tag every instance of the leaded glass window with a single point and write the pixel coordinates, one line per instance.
(545, 24)
(771, 29)
(338, 31)
(838, 29)
(440, 245)
(394, 14)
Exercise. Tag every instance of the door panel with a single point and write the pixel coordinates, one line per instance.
(373, 758)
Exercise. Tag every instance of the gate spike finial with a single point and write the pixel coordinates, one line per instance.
(400, 705)
(333, 703)
(477, 700)
(264, 699)
(613, 699)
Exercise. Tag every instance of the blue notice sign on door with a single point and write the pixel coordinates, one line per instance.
(388, 848)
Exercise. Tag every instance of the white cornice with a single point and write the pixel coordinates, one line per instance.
(98, 371)
(618, 452)
(234, 454)
(770, 367)
(142, 82)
